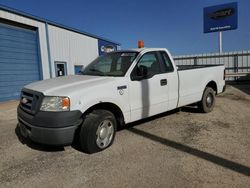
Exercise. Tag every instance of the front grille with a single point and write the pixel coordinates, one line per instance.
(27, 100)
(30, 101)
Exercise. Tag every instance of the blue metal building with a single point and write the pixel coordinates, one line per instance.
(32, 49)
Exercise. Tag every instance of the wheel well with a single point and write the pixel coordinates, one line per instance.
(213, 85)
(110, 107)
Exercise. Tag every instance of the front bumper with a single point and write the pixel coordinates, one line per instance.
(51, 128)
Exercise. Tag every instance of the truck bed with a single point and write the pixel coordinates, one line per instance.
(194, 78)
(187, 67)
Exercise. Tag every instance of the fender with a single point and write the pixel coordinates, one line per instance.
(94, 101)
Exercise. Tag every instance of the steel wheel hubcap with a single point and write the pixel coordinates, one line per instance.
(209, 100)
(104, 133)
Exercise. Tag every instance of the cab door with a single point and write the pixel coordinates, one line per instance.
(170, 92)
(146, 94)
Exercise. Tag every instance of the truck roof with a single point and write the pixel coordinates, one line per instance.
(142, 49)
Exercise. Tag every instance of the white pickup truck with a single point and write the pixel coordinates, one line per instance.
(115, 89)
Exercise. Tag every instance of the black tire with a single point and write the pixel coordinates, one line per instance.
(208, 100)
(90, 142)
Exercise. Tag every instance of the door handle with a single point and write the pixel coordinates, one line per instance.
(164, 82)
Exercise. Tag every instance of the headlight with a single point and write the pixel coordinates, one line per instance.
(55, 104)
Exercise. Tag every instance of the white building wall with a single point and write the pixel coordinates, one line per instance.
(71, 47)
(41, 33)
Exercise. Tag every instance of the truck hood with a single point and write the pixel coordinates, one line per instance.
(61, 86)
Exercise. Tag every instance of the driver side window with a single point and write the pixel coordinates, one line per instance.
(150, 62)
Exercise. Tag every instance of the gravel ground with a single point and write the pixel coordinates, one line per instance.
(177, 149)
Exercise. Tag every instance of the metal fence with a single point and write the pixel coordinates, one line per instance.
(235, 62)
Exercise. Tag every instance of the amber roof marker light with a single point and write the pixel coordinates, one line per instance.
(140, 44)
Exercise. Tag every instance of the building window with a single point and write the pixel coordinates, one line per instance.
(60, 68)
(78, 69)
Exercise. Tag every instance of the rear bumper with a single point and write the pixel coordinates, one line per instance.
(51, 128)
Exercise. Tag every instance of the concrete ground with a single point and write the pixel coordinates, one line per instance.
(176, 149)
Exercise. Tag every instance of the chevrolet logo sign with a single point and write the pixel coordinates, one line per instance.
(24, 101)
(222, 13)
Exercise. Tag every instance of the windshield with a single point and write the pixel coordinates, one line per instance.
(111, 64)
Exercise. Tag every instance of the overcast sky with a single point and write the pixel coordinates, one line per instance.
(176, 25)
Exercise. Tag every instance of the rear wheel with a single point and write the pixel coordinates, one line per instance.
(208, 100)
(98, 131)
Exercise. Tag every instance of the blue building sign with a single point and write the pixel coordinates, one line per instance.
(221, 17)
(105, 47)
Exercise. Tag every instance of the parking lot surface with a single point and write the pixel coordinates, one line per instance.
(176, 149)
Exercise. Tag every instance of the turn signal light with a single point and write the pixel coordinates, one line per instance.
(65, 103)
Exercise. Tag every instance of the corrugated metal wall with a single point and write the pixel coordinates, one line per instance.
(59, 44)
(71, 47)
(41, 34)
(19, 60)
(55, 44)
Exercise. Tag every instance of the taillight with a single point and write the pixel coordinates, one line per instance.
(224, 77)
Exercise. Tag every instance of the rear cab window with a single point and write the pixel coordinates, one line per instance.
(167, 64)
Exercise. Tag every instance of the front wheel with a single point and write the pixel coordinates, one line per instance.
(208, 100)
(98, 131)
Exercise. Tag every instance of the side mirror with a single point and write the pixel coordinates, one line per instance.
(140, 73)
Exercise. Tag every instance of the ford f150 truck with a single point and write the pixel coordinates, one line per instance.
(115, 89)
